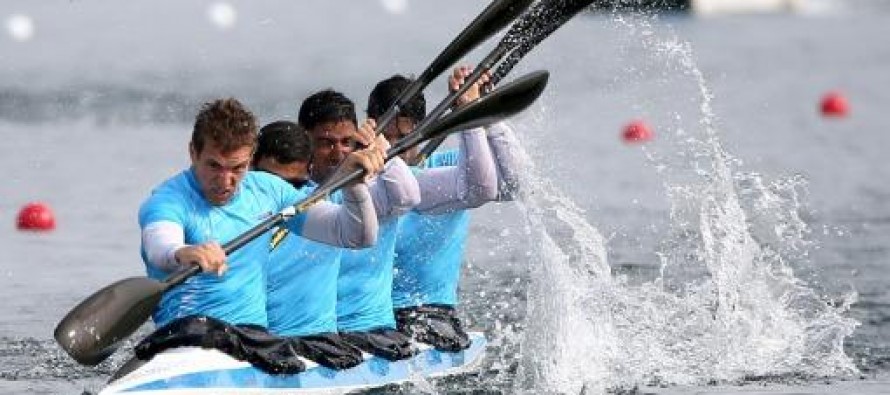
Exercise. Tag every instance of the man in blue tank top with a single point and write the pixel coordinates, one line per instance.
(431, 241)
(364, 284)
(301, 275)
(187, 217)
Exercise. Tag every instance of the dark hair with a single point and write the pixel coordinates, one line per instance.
(385, 93)
(285, 141)
(225, 122)
(326, 106)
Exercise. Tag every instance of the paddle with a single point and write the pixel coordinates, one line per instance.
(93, 329)
(528, 31)
(491, 20)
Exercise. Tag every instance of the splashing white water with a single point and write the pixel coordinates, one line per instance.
(727, 305)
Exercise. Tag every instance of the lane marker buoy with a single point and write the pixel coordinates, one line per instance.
(835, 105)
(636, 132)
(36, 216)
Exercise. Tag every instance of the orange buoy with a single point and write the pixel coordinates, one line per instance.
(36, 216)
(834, 104)
(636, 132)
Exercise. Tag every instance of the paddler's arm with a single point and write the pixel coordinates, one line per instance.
(352, 224)
(505, 149)
(469, 184)
(395, 191)
(162, 219)
(165, 248)
(160, 240)
(474, 181)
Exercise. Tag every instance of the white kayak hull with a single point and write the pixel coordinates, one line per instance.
(193, 370)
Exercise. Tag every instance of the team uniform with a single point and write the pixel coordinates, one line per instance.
(431, 243)
(301, 283)
(315, 290)
(176, 214)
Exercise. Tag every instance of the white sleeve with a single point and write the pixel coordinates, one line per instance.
(472, 183)
(352, 224)
(160, 240)
(505, 149)
(395, 191)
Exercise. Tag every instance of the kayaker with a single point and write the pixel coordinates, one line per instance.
(216, 199)
(285, 150)
(301, 275)
(431, 241)
(364, 303)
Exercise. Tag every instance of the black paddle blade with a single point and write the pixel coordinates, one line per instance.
(533, 27)
(503, 102)
(493, 18)
(92, 330)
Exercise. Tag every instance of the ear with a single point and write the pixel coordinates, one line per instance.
(193, 153)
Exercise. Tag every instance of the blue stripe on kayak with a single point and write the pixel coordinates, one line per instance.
(373, 372)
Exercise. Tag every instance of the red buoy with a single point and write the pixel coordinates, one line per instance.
(636, 132)
(36, 216)
(834, 104)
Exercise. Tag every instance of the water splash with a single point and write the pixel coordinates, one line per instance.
(726, 307)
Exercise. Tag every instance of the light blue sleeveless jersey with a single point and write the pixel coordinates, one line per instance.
(429, 252)
(237, 297)
(301, 280)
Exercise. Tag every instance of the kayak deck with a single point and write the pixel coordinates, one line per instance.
(191, 370)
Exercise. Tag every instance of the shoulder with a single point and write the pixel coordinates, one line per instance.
(260, 182)
(262, 179)
(168, 200)
(266, 186)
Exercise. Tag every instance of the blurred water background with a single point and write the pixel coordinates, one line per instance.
(746, 244)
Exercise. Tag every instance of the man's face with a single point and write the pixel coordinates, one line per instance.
(296, 173)
(395, 131)
(332, 141)
(219, 173)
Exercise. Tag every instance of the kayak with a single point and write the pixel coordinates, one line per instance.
(194, 370)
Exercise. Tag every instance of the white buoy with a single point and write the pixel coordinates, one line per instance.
(20, 27)
(222, 15)
(395, 7)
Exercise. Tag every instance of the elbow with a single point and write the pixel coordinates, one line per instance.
(370, 227)
(366, 237)
(401, 209)
(360, 218)
(405, 199)
(369, 238)
(402, 189)
(409, 199)
(478, 195)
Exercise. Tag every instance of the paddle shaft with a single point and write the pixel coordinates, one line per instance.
(514, 43)
(485, 65)
(492, 19)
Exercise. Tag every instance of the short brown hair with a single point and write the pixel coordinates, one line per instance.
(225, 122)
